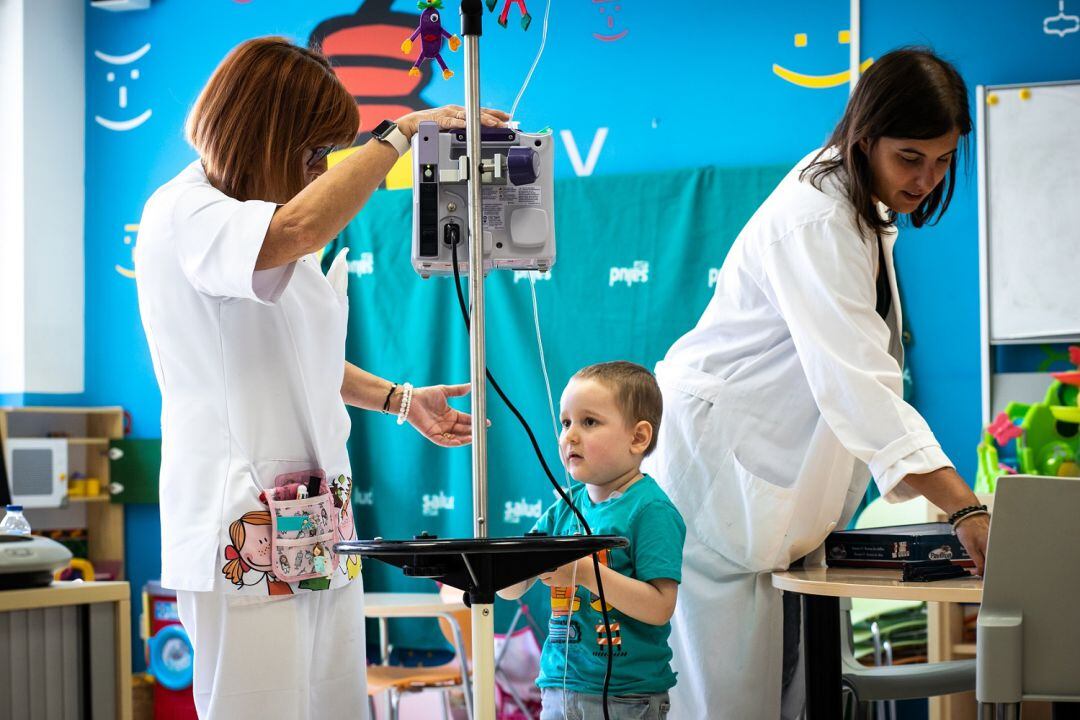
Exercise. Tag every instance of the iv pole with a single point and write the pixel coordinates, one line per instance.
(479, 565)
(483, 615)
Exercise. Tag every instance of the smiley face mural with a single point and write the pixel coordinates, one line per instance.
(819, 82)
(130, 232)
(609, 11)
(118, 74)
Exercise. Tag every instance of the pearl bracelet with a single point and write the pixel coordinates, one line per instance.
(406, 403)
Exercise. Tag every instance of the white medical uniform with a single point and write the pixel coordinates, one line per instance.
(774, 405)
(250, 365)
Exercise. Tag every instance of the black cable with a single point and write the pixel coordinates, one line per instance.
(551, 477)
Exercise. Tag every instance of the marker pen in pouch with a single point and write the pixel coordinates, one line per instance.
(313, 485)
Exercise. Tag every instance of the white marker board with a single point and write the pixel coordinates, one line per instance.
(1031, 210)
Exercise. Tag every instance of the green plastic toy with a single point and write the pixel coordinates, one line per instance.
(1038, 439)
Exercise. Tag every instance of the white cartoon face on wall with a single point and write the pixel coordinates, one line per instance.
(121, 76)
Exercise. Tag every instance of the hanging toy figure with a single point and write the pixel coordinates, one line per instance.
(431, 34)
(526, 18)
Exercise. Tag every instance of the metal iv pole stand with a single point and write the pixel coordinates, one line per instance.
(483, 615)
(479, 565)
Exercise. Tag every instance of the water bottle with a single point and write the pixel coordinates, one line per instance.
(14, 522)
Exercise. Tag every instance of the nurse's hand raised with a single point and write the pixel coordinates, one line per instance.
(433, 417)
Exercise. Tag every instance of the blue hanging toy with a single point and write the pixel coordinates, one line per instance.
(431, 34)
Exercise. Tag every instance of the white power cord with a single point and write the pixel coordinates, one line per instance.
(566, 476)
(544, 369)
(536, 61)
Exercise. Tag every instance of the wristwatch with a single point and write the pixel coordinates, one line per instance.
(387, 131)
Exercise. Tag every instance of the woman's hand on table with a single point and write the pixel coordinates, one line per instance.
(432, 416)
(448, 117)
(972, 534)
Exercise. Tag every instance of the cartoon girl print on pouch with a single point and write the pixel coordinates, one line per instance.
(248, 557)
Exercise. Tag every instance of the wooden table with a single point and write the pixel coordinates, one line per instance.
(821, 590)
(109, 614)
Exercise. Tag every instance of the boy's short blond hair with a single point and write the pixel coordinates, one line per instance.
(636, 393)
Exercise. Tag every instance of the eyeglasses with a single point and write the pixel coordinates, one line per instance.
(318, 154)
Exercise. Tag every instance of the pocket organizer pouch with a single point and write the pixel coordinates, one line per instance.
(304, 530)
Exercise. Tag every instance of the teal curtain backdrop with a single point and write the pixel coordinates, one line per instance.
(636, 262)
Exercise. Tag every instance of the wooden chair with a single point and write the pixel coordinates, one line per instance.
(397, 680)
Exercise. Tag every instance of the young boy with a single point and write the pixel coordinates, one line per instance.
(610, 414)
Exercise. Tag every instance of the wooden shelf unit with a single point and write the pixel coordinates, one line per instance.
(88, 431)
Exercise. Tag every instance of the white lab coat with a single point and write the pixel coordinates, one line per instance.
(774, 405)
(250, 366)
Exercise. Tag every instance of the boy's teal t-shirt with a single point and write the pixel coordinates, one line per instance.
(642, 657)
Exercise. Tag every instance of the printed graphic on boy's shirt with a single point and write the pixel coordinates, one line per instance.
(564, 600)
(247, 559)
(604, 556)
(602, 636)
(562, 630)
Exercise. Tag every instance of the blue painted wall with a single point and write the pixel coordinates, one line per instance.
(687, 87)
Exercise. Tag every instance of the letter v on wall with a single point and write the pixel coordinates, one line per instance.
(586, 168)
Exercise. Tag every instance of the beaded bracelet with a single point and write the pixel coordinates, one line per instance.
(963, 512)
(406, 403)
(971, 514)
(386, 402)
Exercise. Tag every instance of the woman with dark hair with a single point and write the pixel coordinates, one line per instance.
(787, 395)
(247, 339)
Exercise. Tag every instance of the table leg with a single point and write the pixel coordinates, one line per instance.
(384, 652)
(821, 638)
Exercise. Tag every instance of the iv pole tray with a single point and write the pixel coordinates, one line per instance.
(481, 566)
(517, 193)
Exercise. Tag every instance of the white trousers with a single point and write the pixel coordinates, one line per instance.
(300, 658)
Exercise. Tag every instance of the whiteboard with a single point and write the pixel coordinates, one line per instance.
(1030, 210)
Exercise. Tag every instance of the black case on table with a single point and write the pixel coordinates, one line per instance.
(892, 547)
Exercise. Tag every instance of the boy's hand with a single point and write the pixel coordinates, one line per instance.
(564, 576)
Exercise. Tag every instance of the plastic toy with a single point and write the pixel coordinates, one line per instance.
(1003, 429)
(526, 18)
(1038, 439)
(431, 34)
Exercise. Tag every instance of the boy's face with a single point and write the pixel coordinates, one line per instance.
(597, 445)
